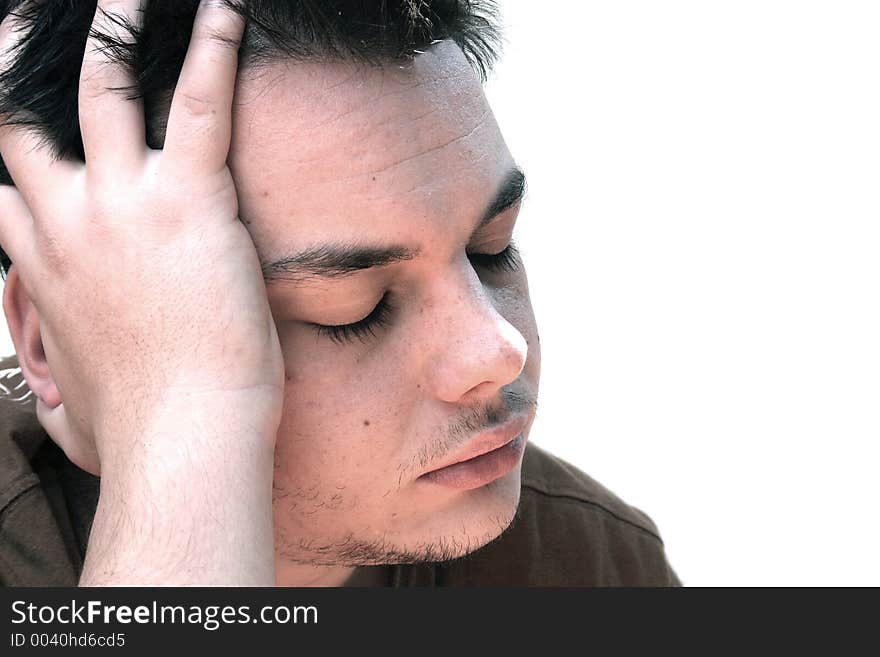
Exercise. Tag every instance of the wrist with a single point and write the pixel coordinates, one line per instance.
(184, 518)
(188, 432)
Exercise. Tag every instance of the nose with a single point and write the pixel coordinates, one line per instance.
(475, 349)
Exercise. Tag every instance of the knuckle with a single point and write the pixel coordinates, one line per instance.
(53, 251)
(197, 104)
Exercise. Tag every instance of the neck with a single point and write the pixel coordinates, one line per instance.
(295, 574)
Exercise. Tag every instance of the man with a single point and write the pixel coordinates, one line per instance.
(296, 343)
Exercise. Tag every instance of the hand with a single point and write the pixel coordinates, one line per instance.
(149, 289)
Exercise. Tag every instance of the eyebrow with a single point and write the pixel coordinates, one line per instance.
(336, 260)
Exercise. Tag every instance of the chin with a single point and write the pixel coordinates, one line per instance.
(463, 522)
(467, 522)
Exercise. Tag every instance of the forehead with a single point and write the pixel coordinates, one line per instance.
(355, 151)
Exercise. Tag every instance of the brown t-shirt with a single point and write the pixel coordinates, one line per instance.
(569, 530)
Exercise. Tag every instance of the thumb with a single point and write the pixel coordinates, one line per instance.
(77, 448)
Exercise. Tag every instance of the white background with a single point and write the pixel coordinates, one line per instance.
(702, 234)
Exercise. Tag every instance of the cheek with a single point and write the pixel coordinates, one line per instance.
(343, 414)
(326, 375)
(321, 437)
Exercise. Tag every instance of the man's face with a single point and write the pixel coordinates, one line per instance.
(330, 156)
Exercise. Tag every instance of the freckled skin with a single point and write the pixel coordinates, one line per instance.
(387, 155)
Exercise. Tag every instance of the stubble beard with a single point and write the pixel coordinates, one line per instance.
(352, 550)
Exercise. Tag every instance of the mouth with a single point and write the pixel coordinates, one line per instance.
(483, 459)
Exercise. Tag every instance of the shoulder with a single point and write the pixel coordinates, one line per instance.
(569, 530)
(551, 481)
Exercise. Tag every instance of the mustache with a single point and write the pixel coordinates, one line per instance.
(487, 415)
(480, 417)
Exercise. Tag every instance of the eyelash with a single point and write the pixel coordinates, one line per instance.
(507, 260)
(362, 329)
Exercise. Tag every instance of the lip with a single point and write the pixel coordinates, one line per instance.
(485, 442)
(479, 471)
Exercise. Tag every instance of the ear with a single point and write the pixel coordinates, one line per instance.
(24, 329)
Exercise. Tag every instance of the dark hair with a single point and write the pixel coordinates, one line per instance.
(40, 87)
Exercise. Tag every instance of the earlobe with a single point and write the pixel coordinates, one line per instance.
(24, 328)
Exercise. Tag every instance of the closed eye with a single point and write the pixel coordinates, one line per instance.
(361, 329)
(507, 260)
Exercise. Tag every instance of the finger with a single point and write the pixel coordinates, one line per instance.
(27, 156)
(112, 125)
(16, 225)
(200, 121)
